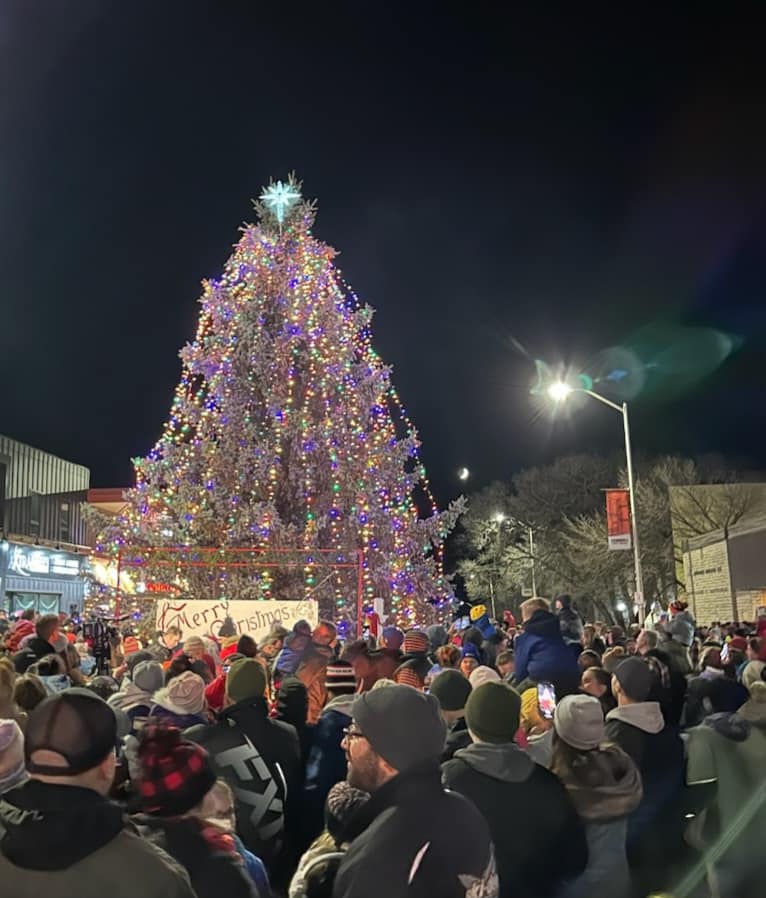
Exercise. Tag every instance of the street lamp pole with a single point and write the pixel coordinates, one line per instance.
(532, 557)
(633, 520)
(560, 391)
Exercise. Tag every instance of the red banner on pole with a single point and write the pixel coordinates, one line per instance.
(618, 519)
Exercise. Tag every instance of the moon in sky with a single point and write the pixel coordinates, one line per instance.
(463, 473)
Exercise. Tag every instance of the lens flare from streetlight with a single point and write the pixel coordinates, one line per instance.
(559, 391)
(463, 474)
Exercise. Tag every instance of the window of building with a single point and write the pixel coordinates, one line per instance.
(41, 602)
(64, 522)
(34, 514)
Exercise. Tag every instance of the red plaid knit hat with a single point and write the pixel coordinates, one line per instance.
(175, 774)
(415, 643)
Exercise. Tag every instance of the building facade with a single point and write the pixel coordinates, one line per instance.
(726, 574)
(43, 552)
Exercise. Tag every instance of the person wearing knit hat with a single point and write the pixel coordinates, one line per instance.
(319, 864)
(327, 761)
(413, 672)
(579, 721)
(483, 674)
(176, 786)
(182, 702)
(137, 697)
(175, 774)
(471, 659)
(400, 843)
(452, 689)
(638, 727)
(12, 770)
(61, 834)
(541, 844)
(605, 787)
(228, 636)
(259, 758)
(244, 681)
(416, 644)
(339, 678)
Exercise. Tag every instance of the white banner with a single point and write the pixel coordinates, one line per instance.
(254, 617)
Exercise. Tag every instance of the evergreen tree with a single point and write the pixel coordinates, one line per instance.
(286, 433)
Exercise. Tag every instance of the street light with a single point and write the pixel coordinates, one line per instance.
(499, 517)
(559, 391)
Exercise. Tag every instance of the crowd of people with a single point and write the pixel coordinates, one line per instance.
(553, 759)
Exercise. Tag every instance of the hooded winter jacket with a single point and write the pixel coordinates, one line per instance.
(541, 654)
(413, 839)
(726, 754)
(65, 840)
(655, 828)
(260, 760)
(539, 839)
(612, 791)
(326, 763)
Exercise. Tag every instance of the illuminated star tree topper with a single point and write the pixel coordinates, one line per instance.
(279, 199)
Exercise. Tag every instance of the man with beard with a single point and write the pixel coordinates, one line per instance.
(413, 838)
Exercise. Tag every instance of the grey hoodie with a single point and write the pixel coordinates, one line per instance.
(645, 716)
(341, 703)
(505, 762)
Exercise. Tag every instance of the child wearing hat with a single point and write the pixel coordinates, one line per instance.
(177, 789)
(316, 871)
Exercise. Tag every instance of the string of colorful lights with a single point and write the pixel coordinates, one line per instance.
(286, 431)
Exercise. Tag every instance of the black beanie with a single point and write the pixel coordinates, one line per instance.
(452, 689)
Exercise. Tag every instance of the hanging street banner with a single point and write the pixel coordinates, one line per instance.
(252, 616)
(618, 519)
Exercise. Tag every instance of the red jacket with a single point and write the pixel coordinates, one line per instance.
(228, 650)
(215, 692)
(20, 630)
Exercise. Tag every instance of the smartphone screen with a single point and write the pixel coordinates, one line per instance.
(546, 700)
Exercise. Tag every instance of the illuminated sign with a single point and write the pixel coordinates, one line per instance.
(29, 562)
(162, 587)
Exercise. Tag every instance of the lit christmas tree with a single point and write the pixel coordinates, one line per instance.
(287, 436)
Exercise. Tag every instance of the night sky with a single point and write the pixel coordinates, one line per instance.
(501, 189)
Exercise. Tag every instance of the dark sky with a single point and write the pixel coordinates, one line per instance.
(500, 188)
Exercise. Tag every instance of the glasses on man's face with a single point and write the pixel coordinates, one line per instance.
(350, 734)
